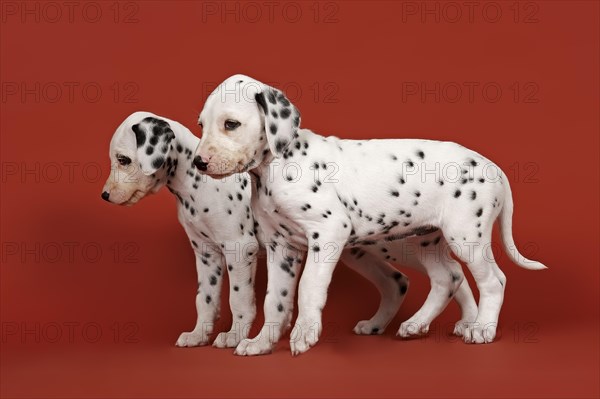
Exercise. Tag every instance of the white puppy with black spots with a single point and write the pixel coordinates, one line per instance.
(149, 151)
(380, 191)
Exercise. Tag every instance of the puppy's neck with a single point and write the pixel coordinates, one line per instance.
(293, 153)
(179, 173)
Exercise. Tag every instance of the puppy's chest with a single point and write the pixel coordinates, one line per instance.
(273, 219)
(198, 209)
(191, 214)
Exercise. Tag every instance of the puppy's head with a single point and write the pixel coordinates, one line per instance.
(138, 150)
(244, 122)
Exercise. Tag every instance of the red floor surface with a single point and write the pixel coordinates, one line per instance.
(354, 367)
(542, 352)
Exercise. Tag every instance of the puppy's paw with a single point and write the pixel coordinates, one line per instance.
(229, 339)
(412, 328)
(469, 315)
(304, 335)
(190, 339)
(479, 333)
(254, 347)
(461, 326)
(367, 327)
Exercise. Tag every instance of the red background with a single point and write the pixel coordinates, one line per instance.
(360, 55)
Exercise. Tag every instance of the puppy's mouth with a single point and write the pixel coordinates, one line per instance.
(246, 167)
(220, 175)
(137, 195)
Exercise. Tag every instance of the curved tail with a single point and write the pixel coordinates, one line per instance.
(510, 248)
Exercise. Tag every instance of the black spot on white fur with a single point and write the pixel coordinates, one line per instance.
(158, 162)
(140, 135)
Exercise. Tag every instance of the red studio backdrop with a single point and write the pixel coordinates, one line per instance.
(93, 296)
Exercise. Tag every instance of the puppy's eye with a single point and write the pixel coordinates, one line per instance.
(231, 124)
(123, 160)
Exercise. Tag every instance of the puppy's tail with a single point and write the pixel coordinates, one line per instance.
(506, 233)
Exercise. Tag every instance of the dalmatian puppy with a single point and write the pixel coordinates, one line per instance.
(148, 152)
(320, 194)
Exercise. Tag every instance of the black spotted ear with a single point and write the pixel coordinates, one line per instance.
(140, 135)
(282, 119)
(153, 137)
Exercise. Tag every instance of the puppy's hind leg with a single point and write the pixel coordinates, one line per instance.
(391, 284)
(464, 297)
(430, 254)
(476, 252)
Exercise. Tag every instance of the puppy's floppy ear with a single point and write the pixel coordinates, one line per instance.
(282, 119)
(153, 137)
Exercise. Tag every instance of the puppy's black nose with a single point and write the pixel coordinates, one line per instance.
(105, 195)
(199, 163)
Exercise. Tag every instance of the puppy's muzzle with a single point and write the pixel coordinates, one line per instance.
(199, 163)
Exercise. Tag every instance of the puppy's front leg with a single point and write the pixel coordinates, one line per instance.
(283, 268)
(312, 292)
(208, 267)
(241, 266)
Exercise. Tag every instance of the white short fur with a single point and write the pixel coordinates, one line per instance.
(382, 190)
(215, 214)
(217, 219)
